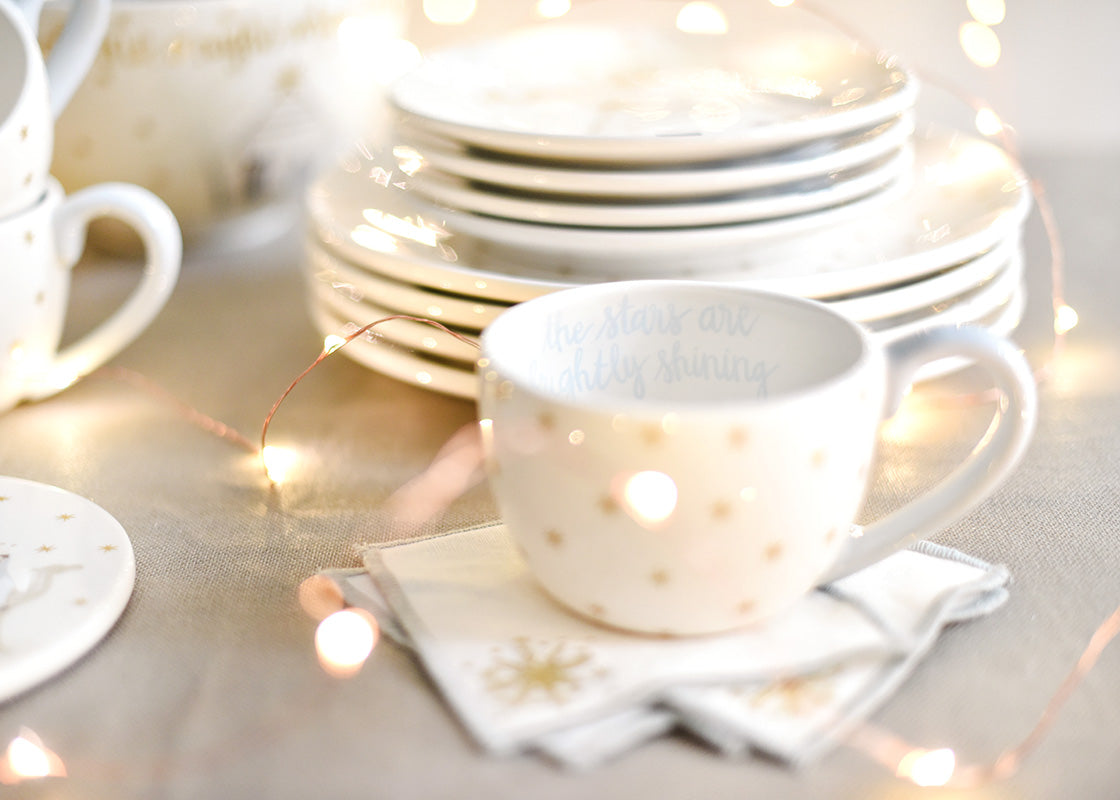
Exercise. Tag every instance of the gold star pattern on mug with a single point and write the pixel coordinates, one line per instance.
(819, 458)
(737, 438)
(29, 237)
(546, 421)
(745, 607)
(44, 548)
(721, 509)
(659, 577)
(773, 551)
(65, 517)
(652, 434)
(608, 505)
(554, 538)
(107, 548)
(23, 133)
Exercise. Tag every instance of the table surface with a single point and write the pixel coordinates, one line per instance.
(209, 685)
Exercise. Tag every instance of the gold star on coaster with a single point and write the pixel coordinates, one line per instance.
(554, 538)
(65, 517)
(107, 548)
(45, 548)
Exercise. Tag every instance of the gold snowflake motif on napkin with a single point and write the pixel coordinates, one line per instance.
(548, 671)
(797, 695)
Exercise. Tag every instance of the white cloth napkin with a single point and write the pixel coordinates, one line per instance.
(524, 674)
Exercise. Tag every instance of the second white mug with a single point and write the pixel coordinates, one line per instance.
(38, 248)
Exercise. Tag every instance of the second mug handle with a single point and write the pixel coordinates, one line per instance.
(163, 251)
(76, 48)
(993, 458)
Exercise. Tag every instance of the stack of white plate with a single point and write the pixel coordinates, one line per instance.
(569, 155)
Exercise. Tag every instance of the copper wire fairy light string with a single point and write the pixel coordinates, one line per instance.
(328, 350)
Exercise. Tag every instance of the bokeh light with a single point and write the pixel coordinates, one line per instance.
(980, 44)
(550, 9)
(650, 496)
(344, 640)
(701, 17)
(987, 12)
(449, 12)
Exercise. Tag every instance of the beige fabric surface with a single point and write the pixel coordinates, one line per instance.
(209, 685)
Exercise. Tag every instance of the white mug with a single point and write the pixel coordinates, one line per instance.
(75, 47)
(38, 248)
(680, 458)
(32, 94)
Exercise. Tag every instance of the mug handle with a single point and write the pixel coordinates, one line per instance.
(989, 463)
(76, 48)
(163, 251)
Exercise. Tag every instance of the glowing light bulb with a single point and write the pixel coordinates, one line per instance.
(550, 9)
(1065, 319)
(27, 759)
(987, 12)
(928, 767)
(979, 43)
(449, 12)
(331, 342)
(344, 640)
(701, 17)
(650, 496)
(988, 122)
(278, 462)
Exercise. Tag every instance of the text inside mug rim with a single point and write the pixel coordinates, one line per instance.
(514, 361)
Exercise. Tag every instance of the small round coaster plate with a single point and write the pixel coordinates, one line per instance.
(66, 573)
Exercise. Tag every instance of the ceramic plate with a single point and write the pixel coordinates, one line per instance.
(418, 336)
(66, 573)
(963, 197)
(355, 283)
(695, 181)
(801, 197)
(1003, 321)
(405, 365)
(930, 290)
(637, 94)
(970, 307)
(886, 302)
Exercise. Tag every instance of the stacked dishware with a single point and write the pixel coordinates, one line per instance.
(572, 154)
